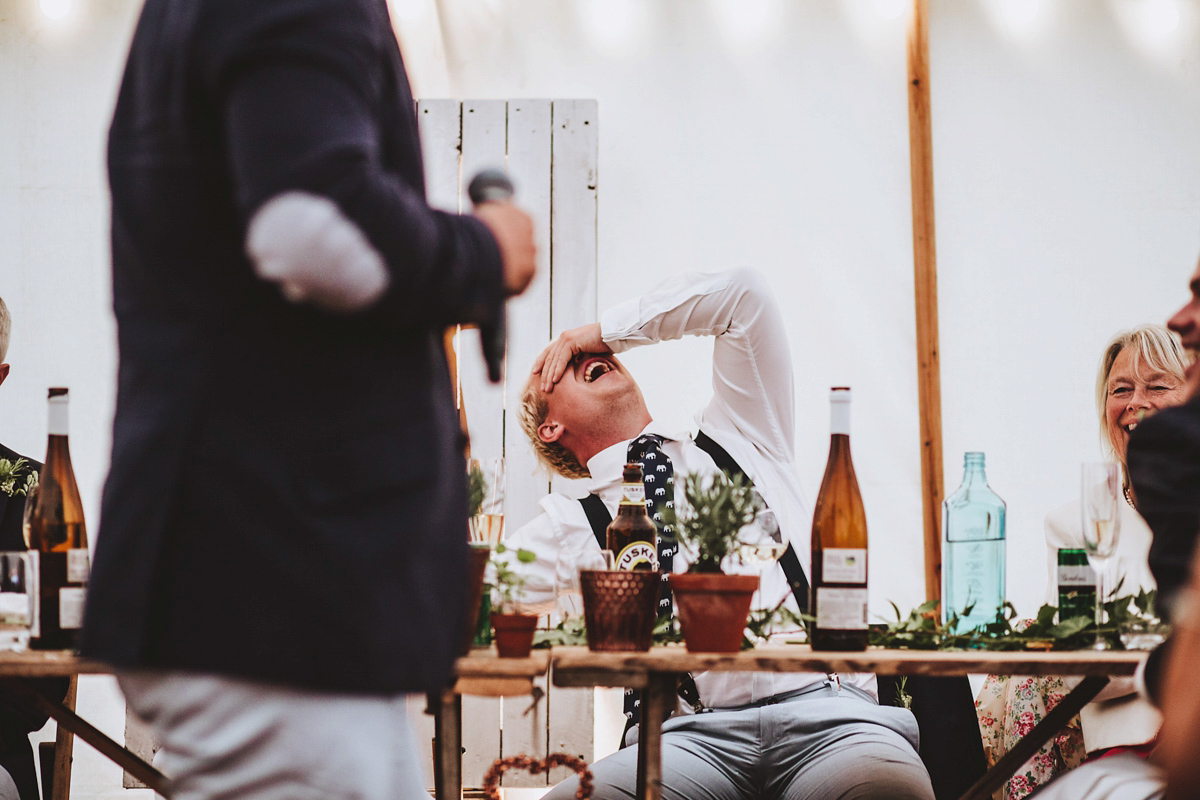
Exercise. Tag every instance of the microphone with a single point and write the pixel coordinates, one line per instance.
(492, 186)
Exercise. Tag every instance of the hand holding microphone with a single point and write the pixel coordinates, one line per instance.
(491, 194)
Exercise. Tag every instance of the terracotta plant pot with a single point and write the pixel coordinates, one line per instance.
(477, 561)
(619, 608)
(713, 609)
(514, 634)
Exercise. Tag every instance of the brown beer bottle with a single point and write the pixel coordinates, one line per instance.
(58, 540)
(632, 536)
(839, 544)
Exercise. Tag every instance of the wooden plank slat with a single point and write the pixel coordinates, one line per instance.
(49, 663)
(570, 661)
(485, 663)
(484, 131)
(525, 732)
(569, 726)
(529, 132)
(440, 125)
(139, 740)
(929, 381)
(573, 230)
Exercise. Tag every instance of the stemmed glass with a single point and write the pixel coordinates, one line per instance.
(488, 526)
(1101, 493)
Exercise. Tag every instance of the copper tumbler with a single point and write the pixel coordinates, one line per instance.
(619, 608)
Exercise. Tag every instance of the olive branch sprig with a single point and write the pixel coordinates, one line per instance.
(11, 482)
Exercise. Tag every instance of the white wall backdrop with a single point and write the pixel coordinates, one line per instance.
(763, 132)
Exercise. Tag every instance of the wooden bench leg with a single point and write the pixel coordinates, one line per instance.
(64, 748)
(447, 749)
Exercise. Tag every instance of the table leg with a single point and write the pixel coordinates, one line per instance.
(64, 748)
(447, 753)
(658, 698)
(1029, 744)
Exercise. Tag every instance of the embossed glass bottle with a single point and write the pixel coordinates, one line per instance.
(973, 555)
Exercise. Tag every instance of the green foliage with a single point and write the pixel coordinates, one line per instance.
(715, 509)
(11, 481)
(921, 629)
(508, 582)
(476, 489)
(762, 624)
(571, 632)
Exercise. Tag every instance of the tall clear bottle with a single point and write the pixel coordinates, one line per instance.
(839, 543)
(973, 557)
(58, 539)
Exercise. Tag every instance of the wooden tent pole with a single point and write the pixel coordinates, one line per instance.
(929, 382)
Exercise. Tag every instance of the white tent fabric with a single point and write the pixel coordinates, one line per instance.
(1067, 208)
(771, 133)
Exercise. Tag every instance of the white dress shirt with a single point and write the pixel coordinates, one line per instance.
(1118, 715)
(751, 415)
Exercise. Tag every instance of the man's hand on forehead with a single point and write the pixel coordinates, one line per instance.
(556, 359)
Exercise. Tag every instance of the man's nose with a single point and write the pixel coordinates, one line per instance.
(1182, 321)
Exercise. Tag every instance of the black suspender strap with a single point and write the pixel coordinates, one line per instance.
(789, 561)
(598, 517)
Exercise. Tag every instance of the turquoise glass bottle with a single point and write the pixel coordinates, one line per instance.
(973, 553)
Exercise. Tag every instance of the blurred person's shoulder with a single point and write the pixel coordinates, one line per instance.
(1172, 431)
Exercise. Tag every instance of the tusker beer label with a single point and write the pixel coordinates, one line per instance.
(638, 555)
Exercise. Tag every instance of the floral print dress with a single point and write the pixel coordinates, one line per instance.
(1008, 707)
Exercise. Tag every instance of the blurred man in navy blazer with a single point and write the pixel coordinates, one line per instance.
(18, 777)
(282, 543)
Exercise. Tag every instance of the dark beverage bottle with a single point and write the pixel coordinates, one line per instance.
(632, 536)
(839, 544)
(1076, 584)
(58, 540)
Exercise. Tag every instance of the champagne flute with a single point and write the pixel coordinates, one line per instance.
(487, 527)
(1101, 493)
(762, 541)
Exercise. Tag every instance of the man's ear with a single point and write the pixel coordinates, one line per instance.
(550, 431)
(3, 372)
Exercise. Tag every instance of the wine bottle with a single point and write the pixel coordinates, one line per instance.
(632, 536)
(973, 521)
(839, 543)
(58, 540)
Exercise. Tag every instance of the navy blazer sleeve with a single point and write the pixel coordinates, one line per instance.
(300, 94)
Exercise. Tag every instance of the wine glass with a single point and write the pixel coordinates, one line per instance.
(761, 540)
(1101, 494)
(487, 527)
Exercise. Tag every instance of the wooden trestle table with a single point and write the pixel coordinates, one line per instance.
(657, 672)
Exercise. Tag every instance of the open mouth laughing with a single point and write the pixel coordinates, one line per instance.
(595, 367)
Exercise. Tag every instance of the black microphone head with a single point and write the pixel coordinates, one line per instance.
(490, 186)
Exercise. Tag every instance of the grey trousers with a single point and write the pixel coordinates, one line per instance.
(223, 738)
(826, 745)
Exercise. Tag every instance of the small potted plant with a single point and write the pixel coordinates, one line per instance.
(713, 607)
(514, 630)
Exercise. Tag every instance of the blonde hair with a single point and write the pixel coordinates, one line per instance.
(5, 329)
(553, 455)
(1156, 346)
